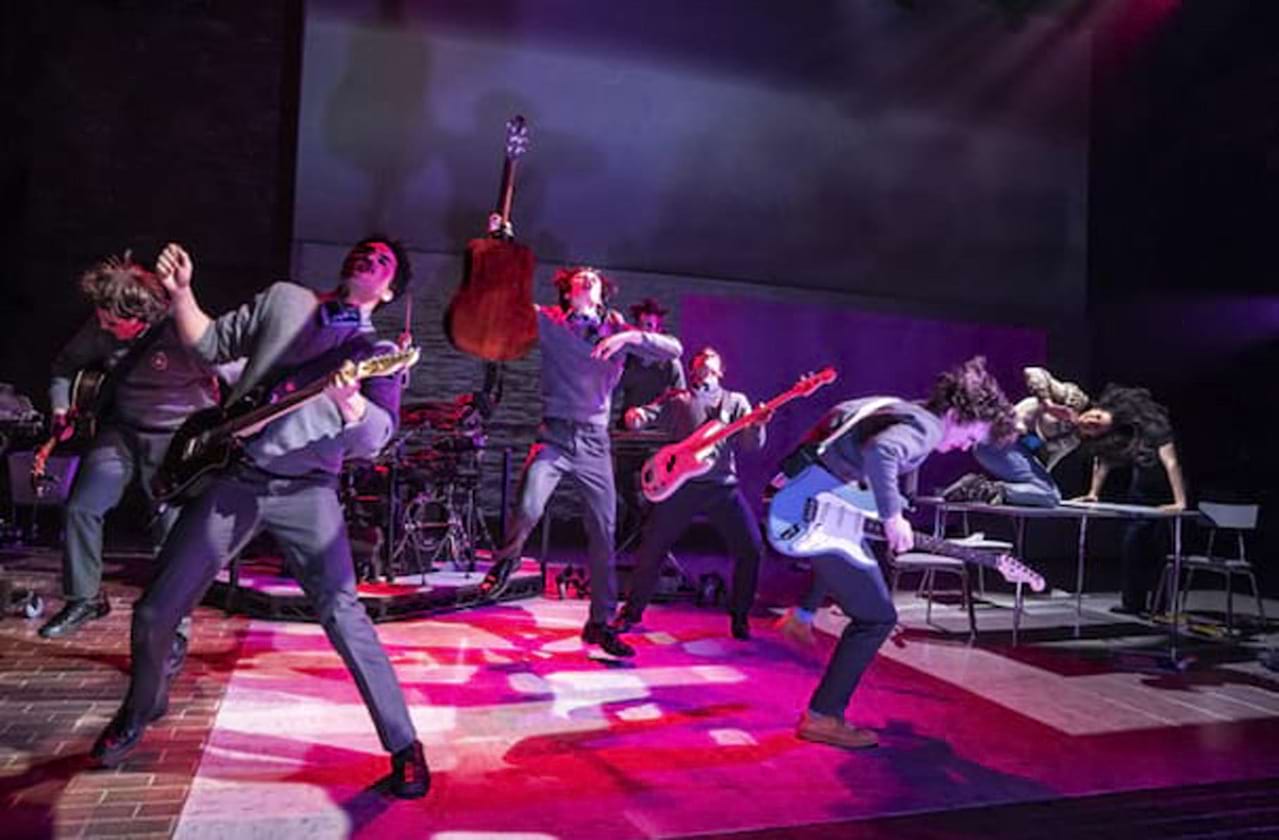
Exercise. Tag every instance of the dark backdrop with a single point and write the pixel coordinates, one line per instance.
(931, 155)
(1184, 201)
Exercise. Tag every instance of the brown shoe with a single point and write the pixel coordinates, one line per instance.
(795, 630)
(825, 729)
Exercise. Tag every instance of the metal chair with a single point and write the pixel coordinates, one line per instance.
(1230, 519)
(929, 565)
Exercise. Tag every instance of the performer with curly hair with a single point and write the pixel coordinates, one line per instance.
(153, 384)
(1126, 428)
(879, 441)
(584, 345)
(1046, 432)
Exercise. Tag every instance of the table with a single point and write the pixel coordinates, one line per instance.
(1082, 512)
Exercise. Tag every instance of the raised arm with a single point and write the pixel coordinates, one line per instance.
(175, 269)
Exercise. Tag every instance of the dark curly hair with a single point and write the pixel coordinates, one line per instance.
(403, 265)
(1139, 426)
(563, 280)
(125, 289)
(975, 396)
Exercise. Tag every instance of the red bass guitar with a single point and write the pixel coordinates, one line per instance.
(671, 466)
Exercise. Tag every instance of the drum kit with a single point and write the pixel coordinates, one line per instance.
(416, 507)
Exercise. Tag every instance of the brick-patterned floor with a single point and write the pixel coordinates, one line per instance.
(56, 696)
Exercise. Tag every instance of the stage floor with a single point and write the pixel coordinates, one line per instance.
(528, 736)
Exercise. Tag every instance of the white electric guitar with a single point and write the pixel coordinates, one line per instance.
(816, 513)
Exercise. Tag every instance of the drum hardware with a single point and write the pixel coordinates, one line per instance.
(417, 506)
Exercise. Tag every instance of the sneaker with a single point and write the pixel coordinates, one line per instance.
(607, 639)
(825, 729)
(740, 628)
(497, 579)
(410, 777)
(974, 487)
(795, 629)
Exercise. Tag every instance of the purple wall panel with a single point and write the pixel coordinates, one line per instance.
(768, 344)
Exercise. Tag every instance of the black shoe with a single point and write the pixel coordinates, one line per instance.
(1124, 609)
(624, 622)
(117, 740)
(497, 579)
(176, 659)
(606, 637)
(72, 615)
(410, 777)
(741, 628)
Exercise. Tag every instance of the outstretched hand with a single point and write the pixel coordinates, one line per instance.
(174, 268)
(609, 347)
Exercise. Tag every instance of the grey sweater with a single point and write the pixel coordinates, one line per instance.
(575, 386)
(644, 381)
(880, 449)
(683, 412)
(289, 344)
(164, 384)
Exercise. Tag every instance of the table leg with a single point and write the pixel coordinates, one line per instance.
(1176, 579)
(1079, 572)
(1018, 605)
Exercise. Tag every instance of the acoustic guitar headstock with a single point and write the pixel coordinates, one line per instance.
(516, 137)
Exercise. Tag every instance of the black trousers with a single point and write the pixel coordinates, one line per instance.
(726, 508)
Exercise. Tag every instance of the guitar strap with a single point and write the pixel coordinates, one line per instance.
(127, 362)
(871, 406)
(809, 454)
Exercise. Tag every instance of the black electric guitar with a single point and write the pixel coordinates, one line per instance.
(210, 439)
(82, 415)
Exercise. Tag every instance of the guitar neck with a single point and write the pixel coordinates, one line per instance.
(936, 545)
(506, 194)
(249, 422)
(749, 417)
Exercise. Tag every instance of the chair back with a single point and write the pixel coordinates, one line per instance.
(1239, 517)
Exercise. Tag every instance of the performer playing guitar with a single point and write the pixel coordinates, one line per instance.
(707, 485)
(153, 384)
(869, 444)
(671, 466)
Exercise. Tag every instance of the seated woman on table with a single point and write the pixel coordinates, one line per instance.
(1048, 428)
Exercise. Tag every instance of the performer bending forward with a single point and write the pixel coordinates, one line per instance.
(715, 493)
(857, 443)
(285, 481)
(156, 384)
(584, 345)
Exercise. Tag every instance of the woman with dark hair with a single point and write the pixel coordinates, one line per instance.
(1125, 427)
